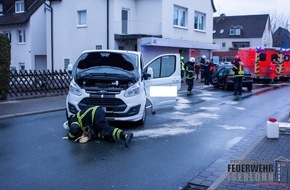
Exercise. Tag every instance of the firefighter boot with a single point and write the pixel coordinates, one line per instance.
(128, 139)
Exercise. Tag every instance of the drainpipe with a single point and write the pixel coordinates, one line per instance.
(49, 8)
(108, 22)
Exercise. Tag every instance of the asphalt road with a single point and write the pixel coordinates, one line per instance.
(173, 146)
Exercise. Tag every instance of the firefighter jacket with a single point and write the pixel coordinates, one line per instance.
(182, 65)
(238, 69)
(273, 67)
(89, 118)
(202, 62)
(189, 68)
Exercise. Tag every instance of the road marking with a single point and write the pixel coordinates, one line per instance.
(240, 108)
(161, 132)
(232, 127)
(209, 108)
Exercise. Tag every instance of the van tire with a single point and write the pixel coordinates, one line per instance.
(250, 87)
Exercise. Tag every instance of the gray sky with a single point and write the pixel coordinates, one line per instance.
(277, 9)
(249, 7)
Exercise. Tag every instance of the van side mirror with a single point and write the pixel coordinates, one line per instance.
(148, 75)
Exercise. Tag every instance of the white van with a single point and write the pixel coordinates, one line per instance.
(120, 83)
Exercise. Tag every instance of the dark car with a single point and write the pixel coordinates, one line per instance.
(223, 77)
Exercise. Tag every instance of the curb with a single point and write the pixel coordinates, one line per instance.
(31, 113)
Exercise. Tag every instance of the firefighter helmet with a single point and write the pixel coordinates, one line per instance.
(204, 57)
(65, 125)
(192, 59)
(237, 58)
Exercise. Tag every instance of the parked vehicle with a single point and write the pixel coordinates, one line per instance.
(117, 81)
(223, 77)
(258, 60)
(284, 66)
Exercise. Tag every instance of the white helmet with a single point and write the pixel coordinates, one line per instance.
(204, 57)
(192, 59)
(65, 125)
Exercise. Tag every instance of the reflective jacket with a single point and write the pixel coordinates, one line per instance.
(182, 65)
(90, 118)
(189, 68)
(238, 69)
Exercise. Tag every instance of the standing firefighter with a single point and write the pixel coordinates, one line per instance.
(206, 72)
(238, 69)
(92, 120)
(202, 63)
(189, 69)
(273, 67)
(182, 69)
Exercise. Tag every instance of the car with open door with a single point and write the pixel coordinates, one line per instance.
(118, 81)
(223, 77)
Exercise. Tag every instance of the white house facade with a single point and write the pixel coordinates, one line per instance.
(23, 23)
(150, 26)
(50, 34)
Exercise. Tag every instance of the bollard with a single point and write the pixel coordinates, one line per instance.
(272, 128)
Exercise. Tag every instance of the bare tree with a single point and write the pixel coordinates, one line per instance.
(278, 20)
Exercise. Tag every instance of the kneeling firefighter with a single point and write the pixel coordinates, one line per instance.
(90, 121)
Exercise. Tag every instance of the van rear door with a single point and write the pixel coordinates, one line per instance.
(164, 81)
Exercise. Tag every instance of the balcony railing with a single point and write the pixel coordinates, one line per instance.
(138, 27)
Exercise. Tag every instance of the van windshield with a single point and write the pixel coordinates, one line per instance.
(125, 61)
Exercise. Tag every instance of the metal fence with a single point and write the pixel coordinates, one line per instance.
(38, 83)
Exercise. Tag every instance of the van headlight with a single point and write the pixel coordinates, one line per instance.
(75, 89)
(132, 91)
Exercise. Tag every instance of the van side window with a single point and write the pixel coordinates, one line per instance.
(163, 66)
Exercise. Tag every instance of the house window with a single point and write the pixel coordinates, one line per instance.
(224, 44)
(99, 47)
(241, 44)
(22, 67)
(66, 63)
(180, 16)
(125, 21)
(1, 9)
(19, 6)
(82, 18)
(235, 30)
(199, 21)
(8, 34)
(21, 36)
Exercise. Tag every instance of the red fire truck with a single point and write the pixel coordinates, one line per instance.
(284, 69)
(258, 60)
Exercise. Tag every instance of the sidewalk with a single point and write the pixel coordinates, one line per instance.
(254, 148)
(15, 108)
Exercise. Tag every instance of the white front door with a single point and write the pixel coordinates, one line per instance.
(165, 80)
